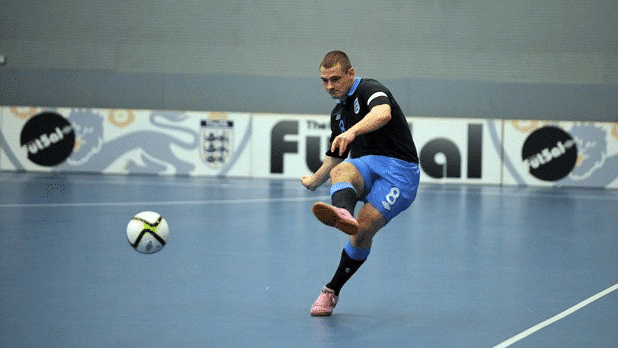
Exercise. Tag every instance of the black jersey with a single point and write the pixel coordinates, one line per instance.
(393, 139)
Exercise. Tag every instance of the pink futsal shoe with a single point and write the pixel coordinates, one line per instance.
(335, 217)
(324, 305)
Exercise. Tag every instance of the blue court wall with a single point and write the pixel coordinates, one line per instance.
(550, 59)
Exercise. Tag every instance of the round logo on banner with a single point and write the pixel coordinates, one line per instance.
(550, 153)
(48, 139)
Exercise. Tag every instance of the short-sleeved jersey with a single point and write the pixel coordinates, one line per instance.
(394, 139)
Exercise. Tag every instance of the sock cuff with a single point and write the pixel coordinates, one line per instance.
(341, 186)
(356, 253)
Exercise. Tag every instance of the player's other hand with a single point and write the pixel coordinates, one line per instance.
(307, 181)
(342, 141)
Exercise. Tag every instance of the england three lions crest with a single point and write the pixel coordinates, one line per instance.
(217, 142)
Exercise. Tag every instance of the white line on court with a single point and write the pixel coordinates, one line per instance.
(508, 191)
(555, 318)
(143, 181)
(427, 188)
(202, 202)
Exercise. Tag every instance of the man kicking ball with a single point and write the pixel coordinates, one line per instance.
(368, 125)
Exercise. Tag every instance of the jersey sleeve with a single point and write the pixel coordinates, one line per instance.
(375, 94)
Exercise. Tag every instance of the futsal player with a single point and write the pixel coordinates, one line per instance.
(382, 170)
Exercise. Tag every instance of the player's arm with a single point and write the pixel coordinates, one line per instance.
(314, 181)
(377, 117)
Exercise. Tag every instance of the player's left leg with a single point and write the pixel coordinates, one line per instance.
(370, 221)
(387, 196)
(353, 256)
(357, 250)
(389, 192)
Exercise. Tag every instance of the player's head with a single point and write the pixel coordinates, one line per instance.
(334, 58)
(337, 74)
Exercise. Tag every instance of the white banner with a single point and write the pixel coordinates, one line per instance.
(125, 141)
(289, 146)
(450, 150)
(458, 150)
(470, 151)
(555, 153)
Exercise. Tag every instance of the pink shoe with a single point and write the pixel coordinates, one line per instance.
(325, 303)
(335, 217)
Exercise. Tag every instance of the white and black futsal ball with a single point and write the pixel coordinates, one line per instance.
(147, 232)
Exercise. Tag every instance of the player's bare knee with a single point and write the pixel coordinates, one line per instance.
(361, 240)
(340, 173)
(364, 236)
(346, 172)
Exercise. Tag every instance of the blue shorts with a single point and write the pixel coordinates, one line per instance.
(390, 183)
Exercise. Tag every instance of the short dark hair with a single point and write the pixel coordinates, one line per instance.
(333, 58)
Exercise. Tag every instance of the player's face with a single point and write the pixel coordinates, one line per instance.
(336, 82)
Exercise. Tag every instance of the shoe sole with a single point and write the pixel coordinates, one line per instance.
(329, 217)
(321, 314)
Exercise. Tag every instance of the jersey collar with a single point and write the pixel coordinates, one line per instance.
(357, 81)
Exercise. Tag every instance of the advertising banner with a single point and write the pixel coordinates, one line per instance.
(451, 150)
(458, 150)
(289, 146)
(125, 141)
(554, 153)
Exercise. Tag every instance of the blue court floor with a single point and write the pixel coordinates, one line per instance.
(465, 266)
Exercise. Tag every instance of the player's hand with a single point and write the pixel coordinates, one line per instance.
(342, 141)
(307, 181)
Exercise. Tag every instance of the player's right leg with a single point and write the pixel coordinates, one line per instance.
(347, 187)
(333, 216)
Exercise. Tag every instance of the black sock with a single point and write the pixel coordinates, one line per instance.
(347, 267)
(345, 199)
